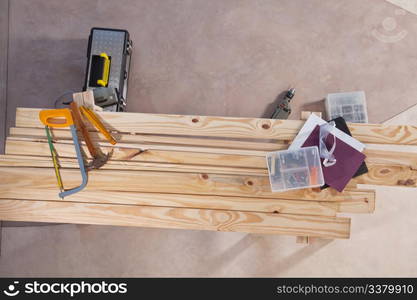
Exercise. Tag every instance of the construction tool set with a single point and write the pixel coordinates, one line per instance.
(186, 172)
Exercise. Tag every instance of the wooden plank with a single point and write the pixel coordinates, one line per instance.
(384, 134)
(168, 182)
(65, 134)
(394, 148)
(66, 150)
(286, 206)
(228, 127)
(302, 240)
(166, 147)
(4, 47)
(379, 174)
(177, 157)
(182, 125)
(168, 217)
(378, 154)
(408, 158)
(72, 163)
(362, 206)
(389, 175)
(365, 206)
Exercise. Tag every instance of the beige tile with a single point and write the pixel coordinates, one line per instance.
(409, 116)
(410, 5)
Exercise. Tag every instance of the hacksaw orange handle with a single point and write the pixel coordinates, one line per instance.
(56, 117)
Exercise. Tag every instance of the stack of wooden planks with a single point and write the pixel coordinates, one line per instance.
(190, 172)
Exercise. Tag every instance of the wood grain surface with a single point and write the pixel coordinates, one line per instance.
(72, 163)
(319, 208)
(287, 206)
(405, 155)
(191, 172)
(388, 175)
(387, 157)
(252, 128)
(168, 217)
(164, 147)
(178, 157)
(169, 182)
(393, 174)
(65, 134)
(39, 147)
(402, 176)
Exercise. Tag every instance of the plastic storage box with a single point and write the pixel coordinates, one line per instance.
(294, 169)
(350, 106)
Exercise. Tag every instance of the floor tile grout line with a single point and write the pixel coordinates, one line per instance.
(410, 8)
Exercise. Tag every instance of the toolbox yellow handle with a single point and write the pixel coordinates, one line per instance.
(106, 70)
(56, 117)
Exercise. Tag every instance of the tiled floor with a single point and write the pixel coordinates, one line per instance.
(409, 5)
(220, 58)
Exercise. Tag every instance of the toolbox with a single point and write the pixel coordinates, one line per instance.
(108, 63)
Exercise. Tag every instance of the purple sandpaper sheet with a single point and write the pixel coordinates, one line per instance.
(348, 160)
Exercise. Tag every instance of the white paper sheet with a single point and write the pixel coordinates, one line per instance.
(311, 123)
